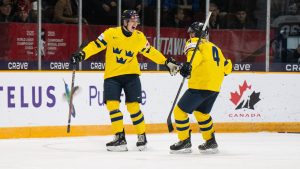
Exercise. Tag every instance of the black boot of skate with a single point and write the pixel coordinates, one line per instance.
(182, 147)
(210, 146)
(142, 141)
(118, 144)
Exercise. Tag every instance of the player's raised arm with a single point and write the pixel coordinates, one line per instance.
(157, 57)
(91, 48)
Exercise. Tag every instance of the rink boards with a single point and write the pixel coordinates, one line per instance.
(34, 104)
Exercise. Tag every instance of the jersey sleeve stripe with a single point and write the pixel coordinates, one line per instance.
(143, 49)
(103, 41)
(97, 44)
(148, 50)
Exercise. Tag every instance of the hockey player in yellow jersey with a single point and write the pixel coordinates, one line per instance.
(122, 71)
(205, 75)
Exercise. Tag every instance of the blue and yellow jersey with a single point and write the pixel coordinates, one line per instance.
(208, 67)
(121, 51)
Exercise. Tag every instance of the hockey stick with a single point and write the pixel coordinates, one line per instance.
(71, 98)
(71, 106)
(169, 120)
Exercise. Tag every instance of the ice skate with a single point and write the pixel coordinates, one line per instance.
(181, 147)
(142, 141)
(210, 146)
(118, 144)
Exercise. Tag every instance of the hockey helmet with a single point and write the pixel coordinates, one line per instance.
(130, 15)
(196, 28)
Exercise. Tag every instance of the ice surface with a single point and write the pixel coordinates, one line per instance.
(237, 151)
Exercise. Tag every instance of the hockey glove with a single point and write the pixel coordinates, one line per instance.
(172, 66)
(77, 57)
(185, 70)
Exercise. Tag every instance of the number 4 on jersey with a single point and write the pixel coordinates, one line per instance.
(216, 55)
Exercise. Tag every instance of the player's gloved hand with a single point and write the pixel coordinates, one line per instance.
(172, 66)
(185, 70)
(77, 57)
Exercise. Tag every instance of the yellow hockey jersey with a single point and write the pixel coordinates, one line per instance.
(208, 67)
(121, 51)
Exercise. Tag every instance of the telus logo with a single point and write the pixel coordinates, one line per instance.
(21, 97)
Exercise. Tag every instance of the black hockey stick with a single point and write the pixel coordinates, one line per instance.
(169, 120)
(71, 98)
(71, 106)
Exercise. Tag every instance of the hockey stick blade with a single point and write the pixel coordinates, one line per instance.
(169, 122)
(169, 119)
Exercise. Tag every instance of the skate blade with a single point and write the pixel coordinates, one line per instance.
(210, 151)
(120, 148)
(142, 148)
(182, 151)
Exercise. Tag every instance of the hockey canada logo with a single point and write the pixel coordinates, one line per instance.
(245, 97)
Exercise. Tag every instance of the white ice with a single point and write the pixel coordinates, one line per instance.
(237, 151)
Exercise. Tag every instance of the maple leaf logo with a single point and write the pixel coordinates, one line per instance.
(245, 98)
(235, 97)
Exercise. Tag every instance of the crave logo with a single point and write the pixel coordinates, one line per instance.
(244, 100)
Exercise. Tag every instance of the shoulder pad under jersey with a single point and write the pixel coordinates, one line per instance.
(190, 44)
